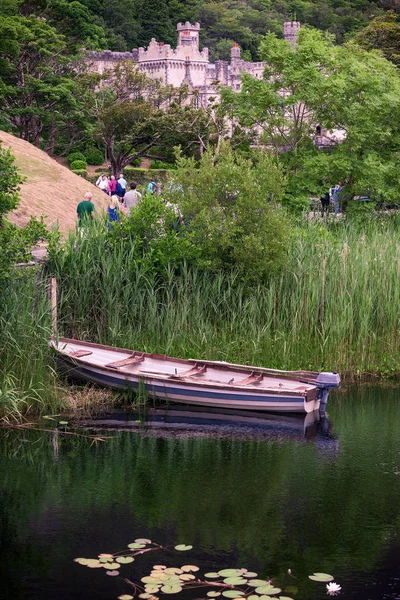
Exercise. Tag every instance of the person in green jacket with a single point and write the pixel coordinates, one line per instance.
(85, 210)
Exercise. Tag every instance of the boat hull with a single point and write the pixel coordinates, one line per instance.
(191, 394)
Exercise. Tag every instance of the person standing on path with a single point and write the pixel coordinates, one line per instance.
(132, 198)
(112, 186)
(85, 211)
(336, 198)
(113, 211)
(121, 186)
(103, 184)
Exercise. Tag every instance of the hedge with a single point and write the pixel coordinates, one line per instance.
(94, 156)
(80, 172)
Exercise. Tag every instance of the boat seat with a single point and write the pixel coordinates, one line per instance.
(252, 379)
(80, 353)
(192, 372)
(134, 359)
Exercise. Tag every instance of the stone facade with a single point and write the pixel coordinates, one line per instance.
(187, 64)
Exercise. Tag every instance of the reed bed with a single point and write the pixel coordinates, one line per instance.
(28, 382)
(335, 306)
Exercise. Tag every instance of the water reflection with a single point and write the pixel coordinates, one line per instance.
(265, 504)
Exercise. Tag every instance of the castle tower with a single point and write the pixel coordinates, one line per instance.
(291, 31)
(188, 35)
(235, 54)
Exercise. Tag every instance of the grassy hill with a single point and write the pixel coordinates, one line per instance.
(50, 189)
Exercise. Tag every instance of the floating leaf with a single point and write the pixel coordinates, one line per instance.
(285, 598)
(322, 577)
(143, 541)
(159, 567)
(148, 579)
(235, 580)
(192, 568)
(257, 582)
(171, 589)
(232, 593)
(124, 560)
(229, 572)
(82, 561)
(106, 556)
(104, 560)
(215, 594)
(152, 589)
(113, 565)
(187, 577)
(253, 597)
(212, 575)
(268, 589)
(94, 563)
(181, 548)
(249, 574)
(173, 571)
(112, 573)
(135, 545)
(145, 595)
(125, 597)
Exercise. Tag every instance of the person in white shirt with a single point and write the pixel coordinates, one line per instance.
(132, 198)
(121, 186)
(102, 183)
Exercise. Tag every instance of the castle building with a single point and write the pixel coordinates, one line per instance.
(187, 64)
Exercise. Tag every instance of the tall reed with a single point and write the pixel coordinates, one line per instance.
(336, 306)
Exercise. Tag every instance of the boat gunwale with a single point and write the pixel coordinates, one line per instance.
(182, 382)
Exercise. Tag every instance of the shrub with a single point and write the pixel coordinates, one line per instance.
(161, 164)
(77, 165)
(80, 172)
(94, 156)
(136, 162)
(75, 156)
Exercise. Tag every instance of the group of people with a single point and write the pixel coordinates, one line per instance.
(121, 199)
(331, 196)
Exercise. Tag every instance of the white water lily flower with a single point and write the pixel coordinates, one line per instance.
(333, 588)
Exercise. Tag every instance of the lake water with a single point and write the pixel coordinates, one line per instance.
(267, 503)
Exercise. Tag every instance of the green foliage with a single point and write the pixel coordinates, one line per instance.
(80, 172)
(94, 156)
(9, 183)
(227, 202)
(161, 164)
(155, 22)
(78, 165)
(76, 156)
(382, 33)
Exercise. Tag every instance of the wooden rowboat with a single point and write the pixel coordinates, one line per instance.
(196, 382)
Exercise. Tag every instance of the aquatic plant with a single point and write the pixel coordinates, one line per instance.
(235, 583)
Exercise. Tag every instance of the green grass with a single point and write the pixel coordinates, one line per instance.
(335, 307)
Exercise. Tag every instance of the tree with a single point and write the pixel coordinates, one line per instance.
(155, 22)
(346, 90)
(383, 33)
(15, 243)
(229, 206)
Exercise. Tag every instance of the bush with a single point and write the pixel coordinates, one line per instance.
(77, 165)
(161, 164)
(80, 172)
(94, 156)
(75, 156)
(136, 162)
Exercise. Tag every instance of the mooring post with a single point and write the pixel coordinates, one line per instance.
(53, 307)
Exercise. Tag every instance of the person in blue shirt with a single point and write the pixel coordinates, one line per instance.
(113, 211)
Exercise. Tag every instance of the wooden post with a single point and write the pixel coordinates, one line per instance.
(53, 296)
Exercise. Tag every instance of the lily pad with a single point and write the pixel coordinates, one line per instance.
(105, 560)
(235, 580)
(253, 597)
(229, 572)
(285, 598)
(124, 560)
(106, 555)
(136, 546)
(159, 567)
(148, 579)
(212, 575)
(215, 594)
(171, 589)
(187, 577)
(112, 573)
(181, 548)
(257, 582)
(113, 565)
(322, 577)
(268, 589)
(144, 595)
(152, 589)
(249, 574)
(125, 597)
(173, 571)
(143, 541)
(97, 566)
(232, 593)
(188, 568)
